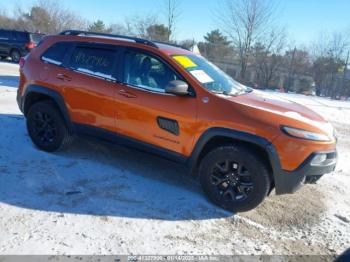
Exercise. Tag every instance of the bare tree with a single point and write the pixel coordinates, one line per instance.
(119, 29)
(48, 17)
(297, 62)
(329, 54)
(267, 57)
(7, 22)
(345, 84)
(172, 11)
(188, 44)
(246, 22)
(158, 32)
(138, 25)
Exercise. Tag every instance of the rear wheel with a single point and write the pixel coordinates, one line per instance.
(46, 127)
(234, 178)
(15, 56)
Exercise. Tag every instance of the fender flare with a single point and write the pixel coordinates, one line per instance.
(285, 182)
(234, 134)
(256, 140)
(54, 95)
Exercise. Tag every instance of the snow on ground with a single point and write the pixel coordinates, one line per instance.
(102, 199)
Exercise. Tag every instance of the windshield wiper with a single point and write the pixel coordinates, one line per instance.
(217, 92)
(249, 90)
(240, 92)
(226, 93)
(229, 94)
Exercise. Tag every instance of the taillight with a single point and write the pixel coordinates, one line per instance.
(30, 45)
(22, 61)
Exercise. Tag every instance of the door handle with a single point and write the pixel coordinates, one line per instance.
(126, 94)
(63, 77)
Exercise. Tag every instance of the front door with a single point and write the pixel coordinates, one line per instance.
(148, 114)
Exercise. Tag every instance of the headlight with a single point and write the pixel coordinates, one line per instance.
(303, 134)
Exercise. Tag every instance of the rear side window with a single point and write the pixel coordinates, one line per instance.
(56, 53)
(95, 61)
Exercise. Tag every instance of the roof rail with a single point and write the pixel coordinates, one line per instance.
(86, 33)
(170, 44)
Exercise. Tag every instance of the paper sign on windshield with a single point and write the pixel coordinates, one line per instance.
(202, 76)
(184, 61)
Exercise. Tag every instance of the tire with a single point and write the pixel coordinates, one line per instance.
(234, 178)
(15, 56)
(47, 128)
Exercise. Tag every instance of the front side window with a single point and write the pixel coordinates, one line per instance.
(55, 54)
(93, 60)
(147, 72)
(210, 76)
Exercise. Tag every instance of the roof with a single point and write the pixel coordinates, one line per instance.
(167, 48)
(173, 50)
(21, 31)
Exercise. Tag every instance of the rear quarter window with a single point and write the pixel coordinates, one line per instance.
(97, 61)
(56, 53)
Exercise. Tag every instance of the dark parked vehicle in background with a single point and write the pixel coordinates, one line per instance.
(16, 44)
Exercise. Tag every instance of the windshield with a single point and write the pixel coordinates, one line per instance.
(210, 76)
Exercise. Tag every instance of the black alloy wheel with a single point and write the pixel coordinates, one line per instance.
(235, 178)
(232, 180)
(46, 127)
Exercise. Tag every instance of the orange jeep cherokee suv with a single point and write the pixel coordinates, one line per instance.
(168, 101)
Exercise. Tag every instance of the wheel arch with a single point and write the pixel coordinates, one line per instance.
(215, 137)
(36, 93)
(15, 49)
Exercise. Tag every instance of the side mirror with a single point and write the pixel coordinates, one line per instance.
(177, 87)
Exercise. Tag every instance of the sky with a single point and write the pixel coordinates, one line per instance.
(303, 19)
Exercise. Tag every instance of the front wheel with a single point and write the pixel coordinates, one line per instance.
(234, 178)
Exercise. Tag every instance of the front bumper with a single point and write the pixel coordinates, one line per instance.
(287, 182)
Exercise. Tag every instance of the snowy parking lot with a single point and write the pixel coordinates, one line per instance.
(100, 199)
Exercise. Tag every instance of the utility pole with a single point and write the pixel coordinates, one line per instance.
(170, 19)
(344, 73)
(291, 70)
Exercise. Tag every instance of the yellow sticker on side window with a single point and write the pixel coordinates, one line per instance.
(184, 61)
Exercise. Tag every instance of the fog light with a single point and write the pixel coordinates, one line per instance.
(319, 159)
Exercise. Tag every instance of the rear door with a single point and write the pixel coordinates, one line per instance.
(84, 75)
(145, 112)
(89, 79)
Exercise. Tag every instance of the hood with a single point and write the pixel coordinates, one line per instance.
(285, 112)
